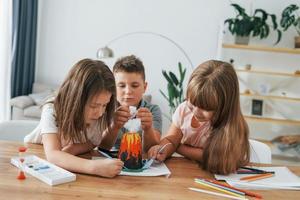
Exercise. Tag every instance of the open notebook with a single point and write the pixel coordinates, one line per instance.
(282, 179)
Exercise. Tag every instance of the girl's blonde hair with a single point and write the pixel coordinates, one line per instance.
(213, 86)
(86, 79)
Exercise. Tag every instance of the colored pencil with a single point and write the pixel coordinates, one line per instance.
(219, 189)
(256, 177)
(253, 172)
(108, 156)
(248, 193)
(222, 187)
(216, 194)
(104, 154)
(161, 149)
(258, 171)
(247, 172)
(253, 169)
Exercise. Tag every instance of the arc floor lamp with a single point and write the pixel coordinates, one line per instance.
(106, 52)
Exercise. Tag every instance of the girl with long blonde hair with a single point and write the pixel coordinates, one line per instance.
(209, 126)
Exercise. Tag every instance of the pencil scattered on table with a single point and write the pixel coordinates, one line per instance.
(248, 193)
(282, 178)
(216, 193)
(256, 177)
(219, 188)
(250, 170)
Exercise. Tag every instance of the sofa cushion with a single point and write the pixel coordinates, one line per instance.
(21, 101)
(40, 98)
(41, 87)
(33, 111)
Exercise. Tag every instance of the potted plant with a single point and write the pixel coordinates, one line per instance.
(289, 18)
(243, 25)
(175, 94)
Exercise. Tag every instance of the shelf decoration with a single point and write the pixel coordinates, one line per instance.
(243, 25)
(289, 18)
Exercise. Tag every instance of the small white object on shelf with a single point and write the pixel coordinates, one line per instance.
(44, 171)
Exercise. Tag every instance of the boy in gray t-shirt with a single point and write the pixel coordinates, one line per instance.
(131, 85)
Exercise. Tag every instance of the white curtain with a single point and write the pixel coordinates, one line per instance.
(5, 57)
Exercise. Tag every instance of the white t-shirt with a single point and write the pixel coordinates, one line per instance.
(48, 125)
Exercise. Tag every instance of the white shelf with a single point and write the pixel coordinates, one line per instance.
(273, 120)
(271, 97)
(262, 48)
(266, 74)
(272, 73)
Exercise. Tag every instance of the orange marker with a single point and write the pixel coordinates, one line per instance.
(256, 177)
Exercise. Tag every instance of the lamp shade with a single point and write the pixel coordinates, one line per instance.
(105, 52)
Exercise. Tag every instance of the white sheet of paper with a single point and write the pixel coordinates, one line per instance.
(156, 169)
(252, 186)
(283, 179)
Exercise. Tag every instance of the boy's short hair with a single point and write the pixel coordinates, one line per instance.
(130, 64)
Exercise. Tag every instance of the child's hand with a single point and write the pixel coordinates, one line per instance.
(146, 117)
(154, 153)
(107, 167)
(121, 116)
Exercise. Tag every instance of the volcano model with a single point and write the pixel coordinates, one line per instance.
(131, 150)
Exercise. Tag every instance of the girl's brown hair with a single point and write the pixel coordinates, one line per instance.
(213, 86)
(86, 79)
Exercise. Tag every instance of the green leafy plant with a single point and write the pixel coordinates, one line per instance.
(255, 25)
(290, 17)
(175, 94)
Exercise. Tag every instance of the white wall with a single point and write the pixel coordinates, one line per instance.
(70, 30)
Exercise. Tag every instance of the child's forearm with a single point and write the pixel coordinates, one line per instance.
(76, 149)
(109, 138)
(74, 163)
(151, 138)
(192, 153)
(170, 149)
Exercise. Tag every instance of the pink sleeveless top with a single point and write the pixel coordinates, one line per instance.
(182, 119)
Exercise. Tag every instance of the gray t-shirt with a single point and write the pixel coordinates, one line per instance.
(156, 124)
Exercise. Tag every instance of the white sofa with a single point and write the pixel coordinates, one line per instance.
(16, 130)
(29, 107)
